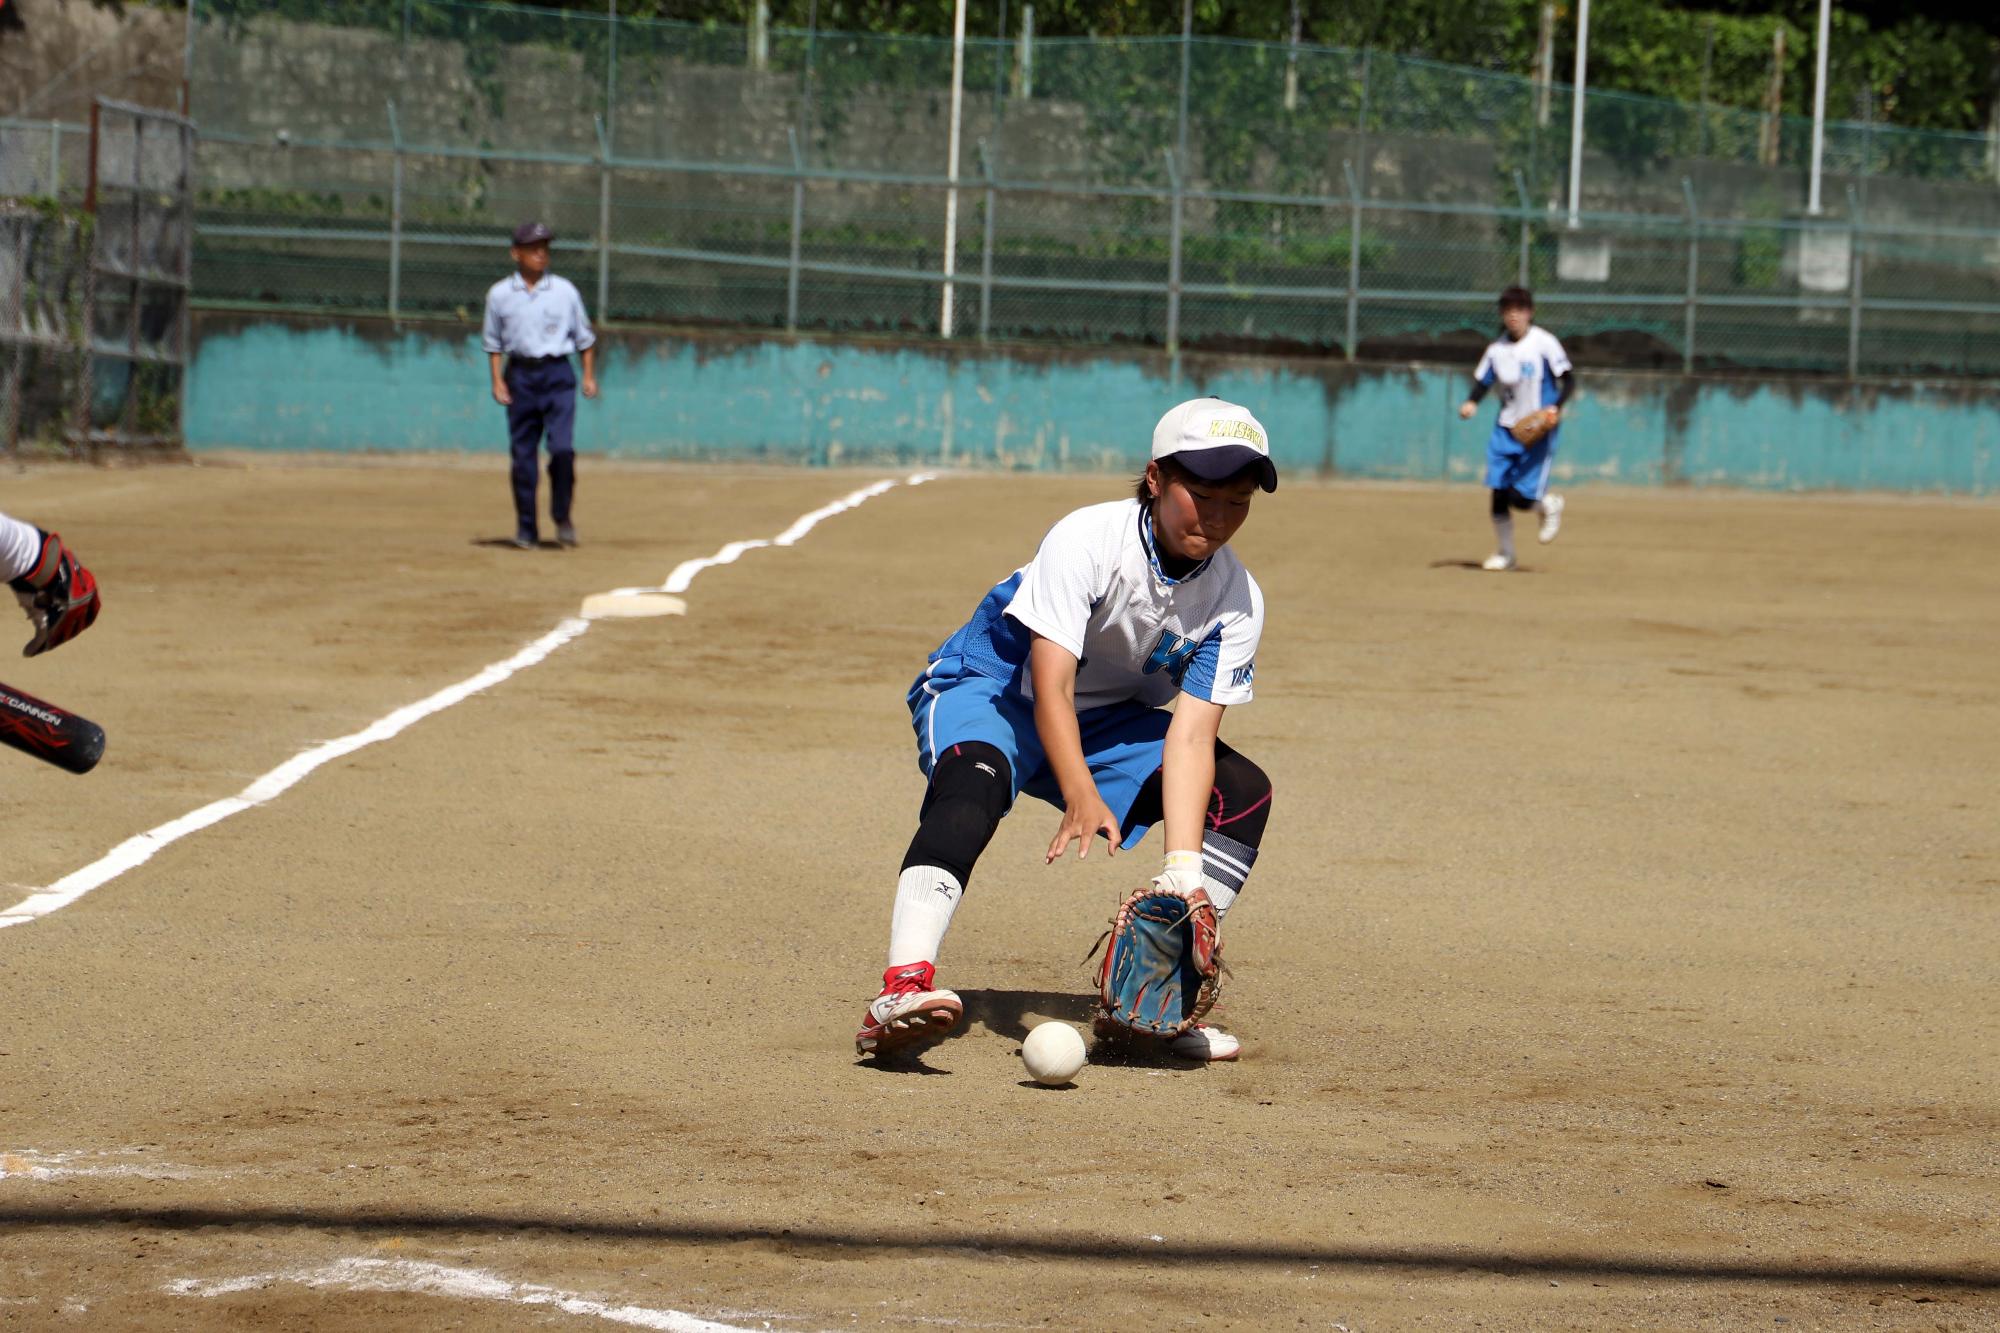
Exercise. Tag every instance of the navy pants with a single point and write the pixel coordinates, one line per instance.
(544, 395)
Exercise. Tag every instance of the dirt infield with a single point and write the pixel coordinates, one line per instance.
(1621, 954)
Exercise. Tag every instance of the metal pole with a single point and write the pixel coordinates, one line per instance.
(1353, 257)
(611, 76)
(1187, 53)
(129, 419)
(760, 34)
(1545, 62)
(187, 61)
(1521, 193)
(951, 161)
(86, 373)
(1819, 109)
(1000, 65)
(1292, 60)
(607, 130)
(1707, 67)
(986, 245)
(1854, 229)
(798, 233)
(1024, 56)
(1576, 112)
(1174, 257)
(812, 44)
(1361, 128)
(55, 159)
(1694, 277)
(603, 220)
(395, 214)
(186, 276)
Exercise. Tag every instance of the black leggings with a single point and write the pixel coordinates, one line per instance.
(971, 785)
(1506, 497)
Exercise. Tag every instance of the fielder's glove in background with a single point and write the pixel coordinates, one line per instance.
(1534, 426)
(1162, 963)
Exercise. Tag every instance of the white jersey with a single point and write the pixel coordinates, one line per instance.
(20, 547)
(1525, 372)
(1096, 588)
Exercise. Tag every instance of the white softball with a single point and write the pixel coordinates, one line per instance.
(1053, 1053)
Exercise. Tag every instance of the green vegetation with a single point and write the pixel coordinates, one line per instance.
(1920, 65)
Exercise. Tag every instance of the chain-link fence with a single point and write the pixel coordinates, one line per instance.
(95, 270)
(1206, 193)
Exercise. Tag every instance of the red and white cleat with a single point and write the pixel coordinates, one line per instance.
(909, 1013)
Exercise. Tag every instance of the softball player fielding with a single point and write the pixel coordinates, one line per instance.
(1532, 372)
(1056, 686)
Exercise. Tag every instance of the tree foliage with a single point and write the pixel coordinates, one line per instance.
(1931, 65)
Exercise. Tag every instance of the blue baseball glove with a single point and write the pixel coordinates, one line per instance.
(1162, 964)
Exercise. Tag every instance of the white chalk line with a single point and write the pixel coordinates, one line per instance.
(430, 1279)
(33, 1164)
(683, 575)
(139, 849)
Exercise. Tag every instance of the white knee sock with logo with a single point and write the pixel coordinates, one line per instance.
(926, 896)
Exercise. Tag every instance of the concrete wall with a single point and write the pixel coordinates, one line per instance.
(271, 383)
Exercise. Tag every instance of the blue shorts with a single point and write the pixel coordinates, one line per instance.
(1512, 466)
(1122, 742)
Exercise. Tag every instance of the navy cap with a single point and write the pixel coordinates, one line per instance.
(533, 233)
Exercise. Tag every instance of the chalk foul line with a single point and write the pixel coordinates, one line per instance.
(141, 848)
(429, 1279)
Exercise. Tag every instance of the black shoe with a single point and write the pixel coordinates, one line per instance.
(566, 533)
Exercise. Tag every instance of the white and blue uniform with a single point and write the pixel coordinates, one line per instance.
(1096, 588)
(20, 547)
(1525, 373)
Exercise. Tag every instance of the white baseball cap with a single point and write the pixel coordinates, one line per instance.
(1215, 440)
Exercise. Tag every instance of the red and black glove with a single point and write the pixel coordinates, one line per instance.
(59, 595)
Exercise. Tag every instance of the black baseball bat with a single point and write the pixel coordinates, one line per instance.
(51, 734)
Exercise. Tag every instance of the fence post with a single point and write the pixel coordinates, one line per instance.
(1694, 277)
(798, 231)
(986, 244)
(1521, 193)
(1174, 256)
(55, 159)
(1854, 229)
(395, 215)
(1353, 257)
(603, 219)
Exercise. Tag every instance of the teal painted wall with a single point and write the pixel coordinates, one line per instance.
(273, 383)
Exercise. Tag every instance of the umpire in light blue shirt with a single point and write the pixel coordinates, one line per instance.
(534, 321)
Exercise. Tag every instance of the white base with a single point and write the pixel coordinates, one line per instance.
(629, 604)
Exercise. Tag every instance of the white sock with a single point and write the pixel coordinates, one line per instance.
(1503, 534)
(925, 899)
(1225, 864)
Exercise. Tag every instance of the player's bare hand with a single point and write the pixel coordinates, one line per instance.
(1465, 411)
(502, 395)
(590, 386)
(1082, 821)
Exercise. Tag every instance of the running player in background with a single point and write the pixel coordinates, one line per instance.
(1533, 373)
(53, 587)
(1057, 687)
